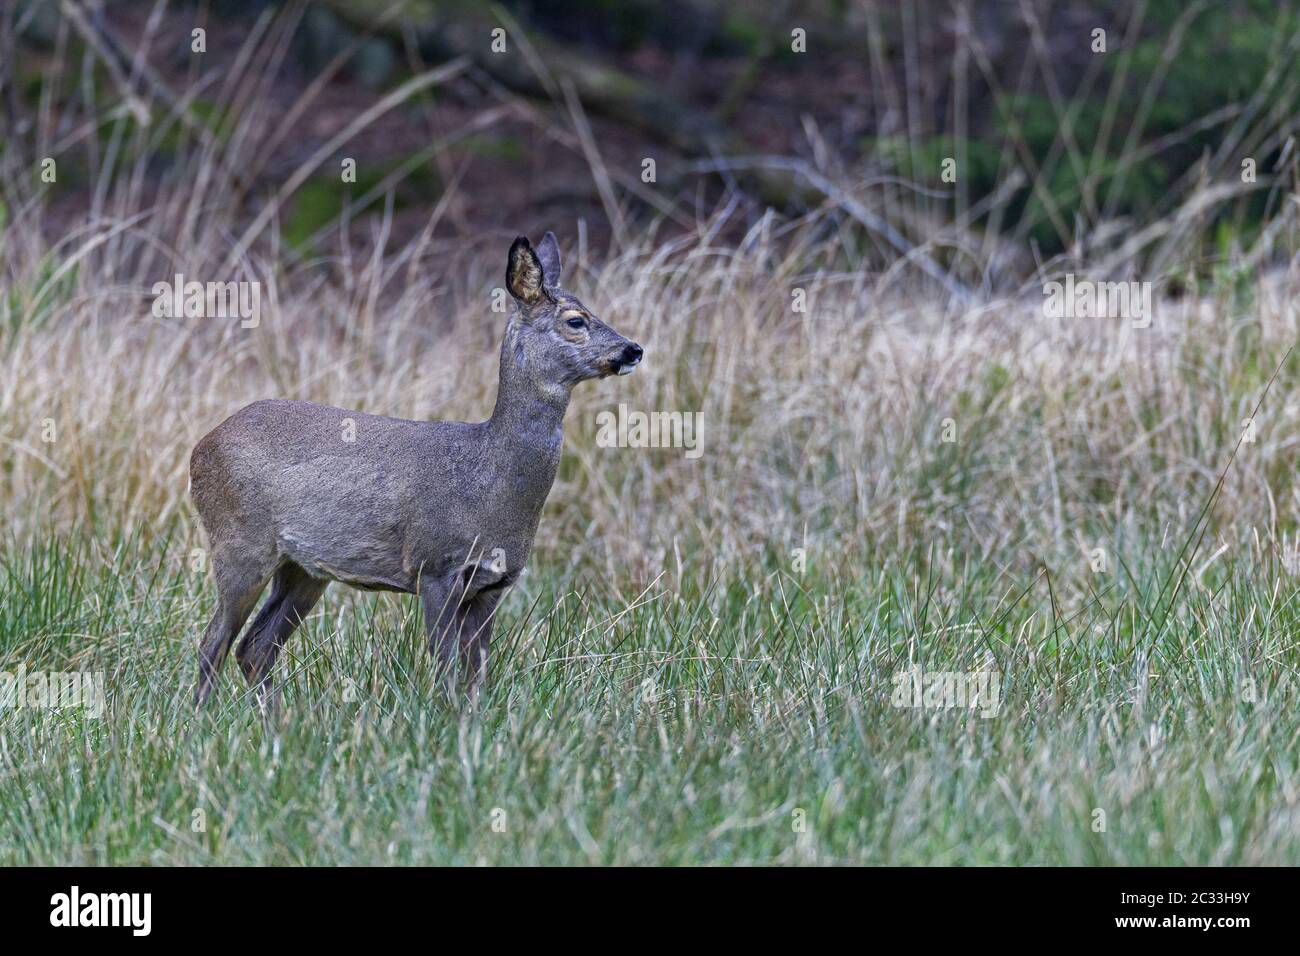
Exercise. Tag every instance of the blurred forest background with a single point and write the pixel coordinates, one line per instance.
(1130, 159)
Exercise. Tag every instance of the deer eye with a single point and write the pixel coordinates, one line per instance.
(577, 323)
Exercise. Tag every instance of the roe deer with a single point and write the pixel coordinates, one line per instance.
(447, 510)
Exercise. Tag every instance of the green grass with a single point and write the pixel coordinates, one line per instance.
(668, 687)
(700, 725)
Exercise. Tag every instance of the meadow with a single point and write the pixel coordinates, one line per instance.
(701, 664)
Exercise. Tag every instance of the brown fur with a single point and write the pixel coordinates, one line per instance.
(446, 510)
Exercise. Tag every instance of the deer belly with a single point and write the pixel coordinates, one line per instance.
(349, 531)
(368, 561)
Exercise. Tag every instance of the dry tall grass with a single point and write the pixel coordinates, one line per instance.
(822, 428)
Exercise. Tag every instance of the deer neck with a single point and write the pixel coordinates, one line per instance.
(527, 423)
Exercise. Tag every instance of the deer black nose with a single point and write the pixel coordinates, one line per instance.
(631, 354)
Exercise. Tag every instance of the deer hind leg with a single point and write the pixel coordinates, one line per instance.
(238, 586)
(293, 595)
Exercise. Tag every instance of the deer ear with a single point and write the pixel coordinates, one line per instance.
(548, 251)
(524, 272)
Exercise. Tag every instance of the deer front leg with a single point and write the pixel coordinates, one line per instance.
(459, 629)
(476, 616)
(440, 602)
